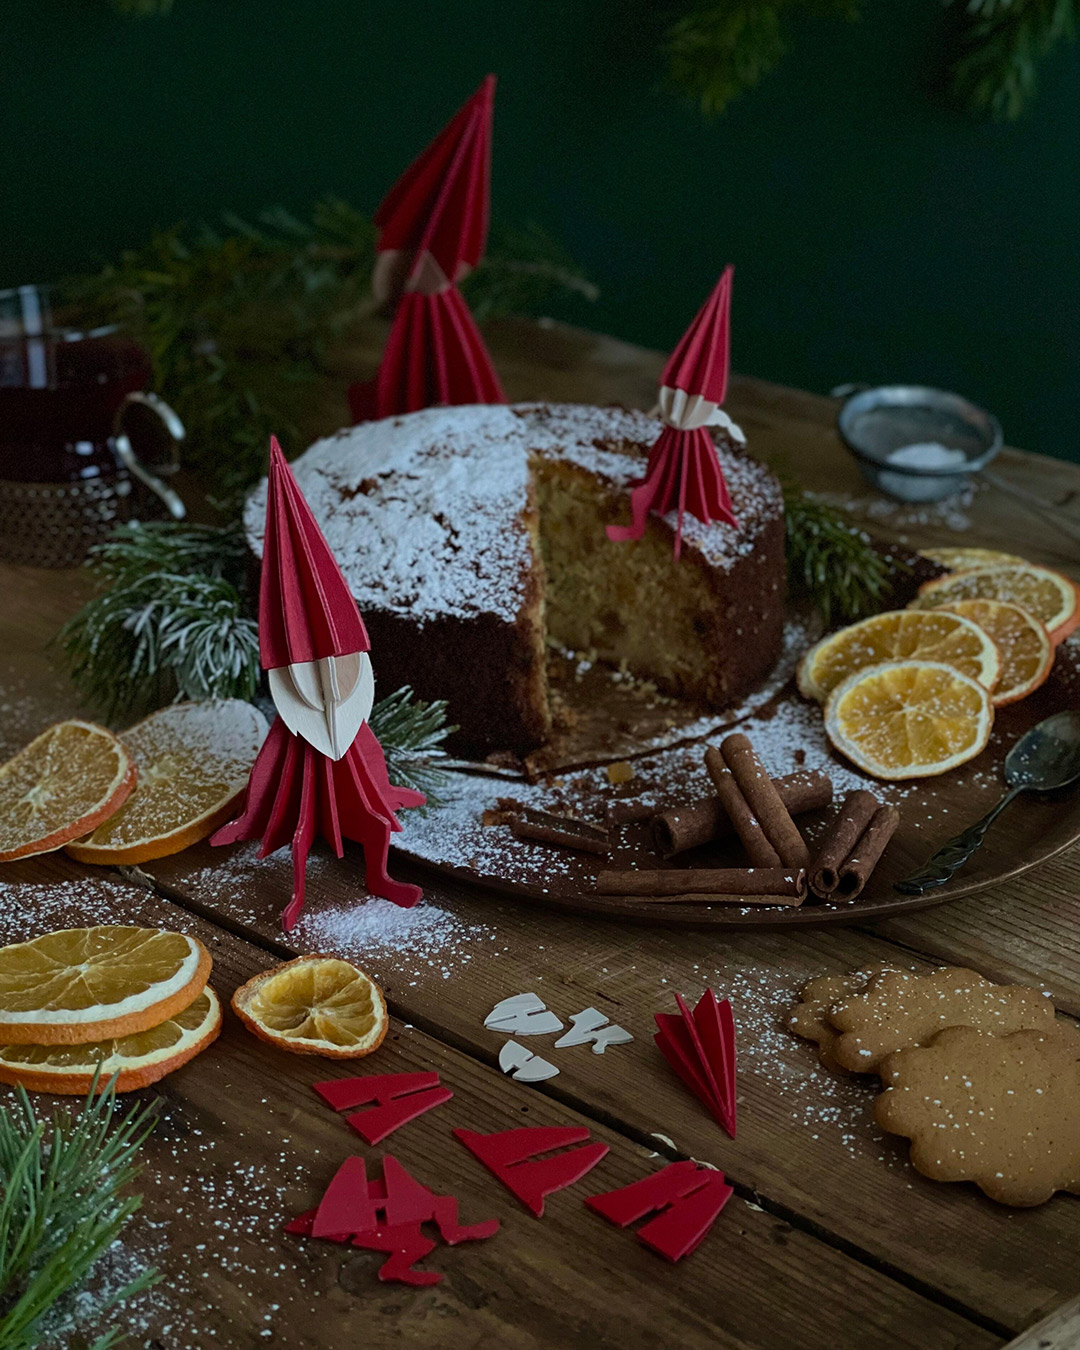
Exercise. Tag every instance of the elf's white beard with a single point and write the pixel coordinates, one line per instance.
(325, 701)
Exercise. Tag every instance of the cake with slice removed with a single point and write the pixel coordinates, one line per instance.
(471, 537)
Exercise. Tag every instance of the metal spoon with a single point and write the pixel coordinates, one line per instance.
(1046, 757)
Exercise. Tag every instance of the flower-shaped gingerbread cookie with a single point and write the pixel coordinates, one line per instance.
(898, 1009)
(1002, 1111)
(809, 1018)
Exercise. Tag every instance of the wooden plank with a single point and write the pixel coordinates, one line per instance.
(243, 1144)
(1023, 931)
(1059, 1331)
(806, 1142)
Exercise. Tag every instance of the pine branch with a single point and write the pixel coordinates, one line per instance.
(239, 322)
(722, 48)
(522, 271)
(1004, 42)
(411, 734)
(170, 622)
(830, 561)
(61, 1209)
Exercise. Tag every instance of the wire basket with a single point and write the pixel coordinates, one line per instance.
(56, 524)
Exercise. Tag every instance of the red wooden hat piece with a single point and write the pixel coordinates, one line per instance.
(376, 1123)
(301, 1225)
(700, 1047)
(351, 1209)
(305, 609)
(683, 472)
(342, 1094)
(688, 1197)
(295, 792)
(701, 361)
(405, 1244)
(346, 1207)
(400, 1097)
(434, 355)
(441, 202)
(505, 1154)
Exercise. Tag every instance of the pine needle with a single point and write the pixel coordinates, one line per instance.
(61, 1208)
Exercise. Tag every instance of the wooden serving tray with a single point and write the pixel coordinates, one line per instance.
(669, 770)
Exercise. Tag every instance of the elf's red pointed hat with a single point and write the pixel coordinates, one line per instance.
(700, 363)
(441, 203)
(305, 609)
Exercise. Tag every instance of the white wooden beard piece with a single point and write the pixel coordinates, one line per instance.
(524, 1065)
(592, 1025)
(523, 1015)
(686, 412)
(325, 701)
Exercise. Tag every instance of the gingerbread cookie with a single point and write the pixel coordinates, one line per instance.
(809, 1018)
(1002, 1111)
(898, 1009)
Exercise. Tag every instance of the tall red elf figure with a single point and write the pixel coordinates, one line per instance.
(683, 471)
(320, 770)
(433, 226)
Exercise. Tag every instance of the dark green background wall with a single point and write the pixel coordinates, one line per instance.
(876, 235)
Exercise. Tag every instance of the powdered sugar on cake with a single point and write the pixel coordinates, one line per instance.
(424, 512)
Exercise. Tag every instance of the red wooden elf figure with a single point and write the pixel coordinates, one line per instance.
(433, 227)
(320, 770)
(683, 471)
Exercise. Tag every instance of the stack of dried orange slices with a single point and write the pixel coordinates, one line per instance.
(110, 1000)
(911, 693)
(164, 784)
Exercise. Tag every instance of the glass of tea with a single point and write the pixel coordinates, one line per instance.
(78, 431)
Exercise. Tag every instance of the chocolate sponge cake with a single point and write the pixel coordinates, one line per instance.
(472, 536)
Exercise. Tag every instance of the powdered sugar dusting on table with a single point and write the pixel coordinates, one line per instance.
(424, 512)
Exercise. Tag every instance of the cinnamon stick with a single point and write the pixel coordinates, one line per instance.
(711, 898)
(841, 837)
(762, 821)
(562, 838)
(739, 811)
(856, 871)
(700, 822)
(852, 847)
(630, 813)
(776, 883)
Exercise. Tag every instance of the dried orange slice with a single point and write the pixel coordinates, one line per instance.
(89, 984)
(62, 784)
(898, 635)
(1051, 597)
(909, 719)
(193, 761)
(965, 559)
(315, 1005)
(1022, 641)
(136, 1060)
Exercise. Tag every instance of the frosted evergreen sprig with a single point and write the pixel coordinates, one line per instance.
(411, 733)
(169, 622)
(61, 1207)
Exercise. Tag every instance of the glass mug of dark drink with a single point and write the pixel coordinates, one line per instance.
(83, 444)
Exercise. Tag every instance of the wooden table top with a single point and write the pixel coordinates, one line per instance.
(831, 1239)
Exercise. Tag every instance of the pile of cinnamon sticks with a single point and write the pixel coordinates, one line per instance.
(760, 810)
